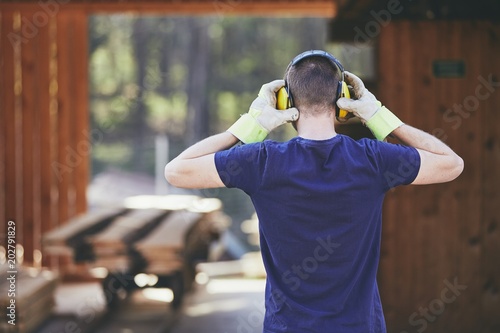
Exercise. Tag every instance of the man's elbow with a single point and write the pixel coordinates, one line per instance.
(459, 167)
(454, 169)
(173, 174)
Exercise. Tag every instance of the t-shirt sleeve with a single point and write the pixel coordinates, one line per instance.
(399, 164)
(241, 166)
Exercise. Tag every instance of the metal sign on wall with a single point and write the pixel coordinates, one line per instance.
(448, 68)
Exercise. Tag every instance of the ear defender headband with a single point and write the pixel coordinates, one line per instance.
(285, 98)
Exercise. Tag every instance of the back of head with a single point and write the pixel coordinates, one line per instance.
(313, 82)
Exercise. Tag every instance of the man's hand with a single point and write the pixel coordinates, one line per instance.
(363, 103)
(263, 116)
(380, 120)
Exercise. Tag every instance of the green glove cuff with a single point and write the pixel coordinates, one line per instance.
(248, 129)
(383, 123)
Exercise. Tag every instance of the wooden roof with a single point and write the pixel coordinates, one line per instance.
(421, 9)
(342, 10)
(319, 8)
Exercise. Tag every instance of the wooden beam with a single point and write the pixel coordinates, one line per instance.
(40, 137)
(43, 184)
(29, 106)
(316, 8)
(8, 102)
(491, 179)
(82, 141)
(3, 157)
(64, 166)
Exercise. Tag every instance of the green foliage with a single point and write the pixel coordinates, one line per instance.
(140, 67)
(167, 114)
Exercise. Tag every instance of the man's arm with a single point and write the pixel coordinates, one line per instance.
(438, 162)
(195, 167)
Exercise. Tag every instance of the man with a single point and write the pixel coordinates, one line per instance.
(318, 196)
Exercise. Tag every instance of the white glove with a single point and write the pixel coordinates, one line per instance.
(365, 104)
(263, 116)
(379, 119)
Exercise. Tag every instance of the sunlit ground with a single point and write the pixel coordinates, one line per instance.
(215, 305)
(224, 305)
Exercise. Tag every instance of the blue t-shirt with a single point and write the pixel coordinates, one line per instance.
(319, 205)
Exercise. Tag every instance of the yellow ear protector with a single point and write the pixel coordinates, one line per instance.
(284, 98)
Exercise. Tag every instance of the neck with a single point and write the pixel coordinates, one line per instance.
(317, 127)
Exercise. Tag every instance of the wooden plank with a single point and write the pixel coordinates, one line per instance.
(73, 157)
(40, 90)
(7, 95)
(303, 8)
(54, 134)
(77, 228)
(30, 89)
(8, 106)
(434, 201)
(82, 143)
(124, 230)
(2, 144)
(3, 157)
(449, 94)
(420, 204)
(451, 232)
(469, 147)
(397, 270)
(34, 299)
(387, 272)
(490, 98)
(17, 131)
(63, 166)
(423, 109)
(48, 134)
(40, 141)
(113, 246)
(404, 250)
(170, 234)
(115, 263)
(30, 287)
(427, 197)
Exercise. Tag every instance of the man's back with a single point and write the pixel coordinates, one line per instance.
(319, 200)
(319, 244)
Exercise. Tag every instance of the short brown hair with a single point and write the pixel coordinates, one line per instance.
(313, 84)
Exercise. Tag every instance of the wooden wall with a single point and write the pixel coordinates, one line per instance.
(44, 135)
(448, 234)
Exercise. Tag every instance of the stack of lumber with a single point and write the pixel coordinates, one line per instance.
(67, 245)
(34, 299)
(159, 233)
(163, 249)
(70, 238)
(183, 237)
(112, 246)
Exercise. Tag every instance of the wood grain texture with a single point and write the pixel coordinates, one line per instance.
(443, 234)
(43, 179)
